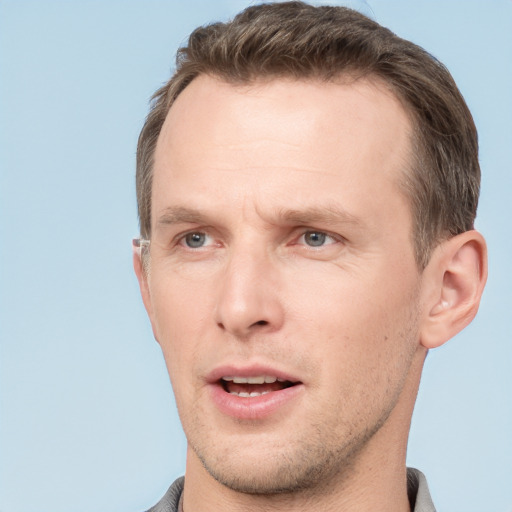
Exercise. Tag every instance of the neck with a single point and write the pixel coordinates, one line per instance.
(375, 479)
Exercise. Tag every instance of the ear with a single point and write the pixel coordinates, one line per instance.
(453, 283)
(142, 276)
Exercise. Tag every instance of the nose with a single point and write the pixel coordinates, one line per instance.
(249, 295)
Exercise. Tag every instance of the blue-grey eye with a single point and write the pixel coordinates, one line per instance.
(314, 238)
(195, 240)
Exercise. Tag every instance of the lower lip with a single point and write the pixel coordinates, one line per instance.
(256, 407)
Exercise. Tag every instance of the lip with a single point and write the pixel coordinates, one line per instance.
(252, 408)
(248, 371)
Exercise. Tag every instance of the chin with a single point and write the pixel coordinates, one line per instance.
(276, 471)
(265, 481)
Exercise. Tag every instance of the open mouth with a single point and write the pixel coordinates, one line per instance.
(249, 387)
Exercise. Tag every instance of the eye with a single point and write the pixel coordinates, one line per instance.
(196, 240)
(317, 238)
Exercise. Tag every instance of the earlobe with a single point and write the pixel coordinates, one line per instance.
(455, 278)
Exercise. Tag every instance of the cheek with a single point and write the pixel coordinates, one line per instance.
(181, 311)
(357, 328)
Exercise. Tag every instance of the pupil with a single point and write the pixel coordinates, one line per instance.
(195, 239)
(315, 238)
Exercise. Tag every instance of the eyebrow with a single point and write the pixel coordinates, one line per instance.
(328, 214)
(180, 214)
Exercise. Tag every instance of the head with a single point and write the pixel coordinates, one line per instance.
(298, 41)
(308, 183)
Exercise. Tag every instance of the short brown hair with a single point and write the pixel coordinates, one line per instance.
(300, 41)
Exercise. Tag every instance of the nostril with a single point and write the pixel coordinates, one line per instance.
(261, 322)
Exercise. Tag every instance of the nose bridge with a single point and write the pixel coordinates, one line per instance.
(248, 299)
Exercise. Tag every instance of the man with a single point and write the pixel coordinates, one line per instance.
(307, 184)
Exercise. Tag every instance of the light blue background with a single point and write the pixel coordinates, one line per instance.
(88, 421)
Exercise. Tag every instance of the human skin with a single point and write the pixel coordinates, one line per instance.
(302, 267)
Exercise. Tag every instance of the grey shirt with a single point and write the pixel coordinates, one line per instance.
(417, 489)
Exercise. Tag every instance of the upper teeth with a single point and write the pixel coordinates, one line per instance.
(260, 379)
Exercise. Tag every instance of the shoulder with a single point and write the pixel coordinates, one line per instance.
(171, 499)
(417, 489)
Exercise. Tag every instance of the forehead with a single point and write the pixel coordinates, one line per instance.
(266, 139)
(257, 106)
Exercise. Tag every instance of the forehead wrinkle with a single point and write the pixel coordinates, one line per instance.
(260, 141)
(254, 169)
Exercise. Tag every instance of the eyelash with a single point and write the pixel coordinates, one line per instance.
(181, 240)
(324, 236)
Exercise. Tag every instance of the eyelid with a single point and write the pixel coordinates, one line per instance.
(179, 239)
(334, 236)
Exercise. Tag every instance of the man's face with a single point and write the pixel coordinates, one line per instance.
(281, 254)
